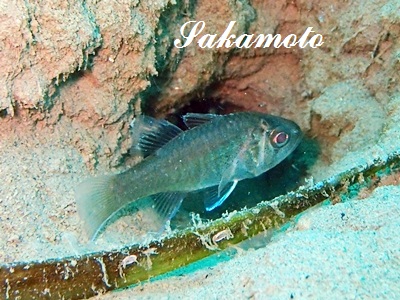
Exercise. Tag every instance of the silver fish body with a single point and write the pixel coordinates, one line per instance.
(215, 153)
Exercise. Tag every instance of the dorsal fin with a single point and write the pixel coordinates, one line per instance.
(149, 134)
(192, 119)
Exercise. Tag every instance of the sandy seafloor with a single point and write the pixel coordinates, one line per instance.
(350, 250)
(346, 251)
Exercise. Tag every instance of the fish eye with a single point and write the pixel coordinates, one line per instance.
(279, 138)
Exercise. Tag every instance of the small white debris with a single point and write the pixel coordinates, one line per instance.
(128, 260)
(147, 253)
(103, 270)
(225, 234)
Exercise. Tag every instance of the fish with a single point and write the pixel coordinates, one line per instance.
(212, 155)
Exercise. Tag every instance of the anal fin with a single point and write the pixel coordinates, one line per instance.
(167, 204)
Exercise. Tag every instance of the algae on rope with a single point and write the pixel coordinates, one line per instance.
(88, 275)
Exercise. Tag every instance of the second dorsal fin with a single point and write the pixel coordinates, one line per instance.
(192, 120)
(149, 134)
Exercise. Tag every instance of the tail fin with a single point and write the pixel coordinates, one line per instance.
(97, 202)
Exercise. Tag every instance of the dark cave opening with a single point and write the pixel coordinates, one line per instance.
(283, 178)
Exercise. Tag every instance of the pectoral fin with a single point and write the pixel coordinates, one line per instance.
(213, 197)
(238, 170)
(244, 165)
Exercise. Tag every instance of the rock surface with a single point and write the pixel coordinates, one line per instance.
(73, 75)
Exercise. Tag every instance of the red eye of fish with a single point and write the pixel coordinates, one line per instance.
(279, 139)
